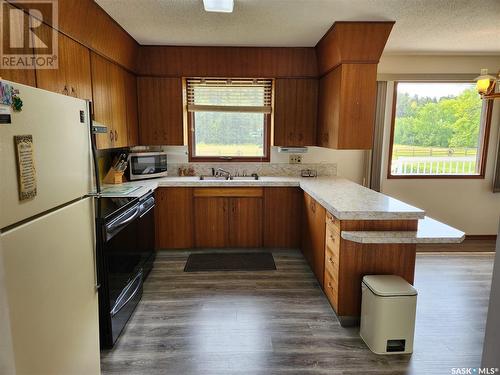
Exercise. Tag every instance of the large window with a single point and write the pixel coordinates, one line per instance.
(229, 119)
(439, 129)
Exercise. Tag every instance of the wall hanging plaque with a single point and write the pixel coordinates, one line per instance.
(25, 166)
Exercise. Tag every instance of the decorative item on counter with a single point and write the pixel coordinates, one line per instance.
(115, 173)
(186, 171)
(309, 173)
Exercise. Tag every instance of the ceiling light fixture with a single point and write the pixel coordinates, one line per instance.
(222, 6)
(485, 85)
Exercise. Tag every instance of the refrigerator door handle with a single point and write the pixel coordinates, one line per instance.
(97, 285)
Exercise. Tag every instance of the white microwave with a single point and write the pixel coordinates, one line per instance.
(143, 165)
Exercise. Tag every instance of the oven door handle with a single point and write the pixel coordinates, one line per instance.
(119, 304)
(120, 223)
(144, 213)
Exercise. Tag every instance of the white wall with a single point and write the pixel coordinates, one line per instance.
(350, 163)
(467, 204)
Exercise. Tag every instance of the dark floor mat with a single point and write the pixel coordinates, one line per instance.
(230, 262)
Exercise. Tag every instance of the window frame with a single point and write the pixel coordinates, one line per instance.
(268, 120)
(484, 143)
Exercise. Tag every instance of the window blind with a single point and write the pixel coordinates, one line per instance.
(229, 95)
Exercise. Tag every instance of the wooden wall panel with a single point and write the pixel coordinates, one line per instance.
(272, 62)
(23, 76)
(352, 42)
(89, 24)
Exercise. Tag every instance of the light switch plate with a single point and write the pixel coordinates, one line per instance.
(295, 159)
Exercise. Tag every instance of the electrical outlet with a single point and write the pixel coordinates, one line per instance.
(295, 159)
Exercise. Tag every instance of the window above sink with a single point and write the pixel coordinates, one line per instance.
(229, 119)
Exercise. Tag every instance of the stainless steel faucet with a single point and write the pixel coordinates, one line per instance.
(219, 172)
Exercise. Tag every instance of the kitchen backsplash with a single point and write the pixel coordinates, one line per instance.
(262, 169)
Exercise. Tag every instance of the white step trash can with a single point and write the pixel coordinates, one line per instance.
(388, 308)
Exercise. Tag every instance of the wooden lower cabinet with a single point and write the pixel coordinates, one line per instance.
(228, 217)
(282, 217)
(174, 218)
(211, 221)
(347, 262)
(245, 222)
(313, 236)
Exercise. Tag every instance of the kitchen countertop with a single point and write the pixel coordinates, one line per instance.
(429, 231)
(344, 199)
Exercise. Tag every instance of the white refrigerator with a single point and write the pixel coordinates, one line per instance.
(48, 296)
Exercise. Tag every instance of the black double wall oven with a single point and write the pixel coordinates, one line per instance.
(125, 230)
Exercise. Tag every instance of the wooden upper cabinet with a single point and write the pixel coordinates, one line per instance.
(346, 114)
(101, 90)
(132, 109)
(119, 105)
(23, 76)
(160, 111)
(73, 75)
(109, 93)
(295, 112)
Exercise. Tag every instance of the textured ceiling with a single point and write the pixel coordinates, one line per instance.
(422, 26)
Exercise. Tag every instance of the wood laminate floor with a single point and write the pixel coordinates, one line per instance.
(280, 322)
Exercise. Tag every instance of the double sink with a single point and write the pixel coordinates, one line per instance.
(230, 178)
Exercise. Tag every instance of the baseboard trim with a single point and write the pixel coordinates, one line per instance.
(471, 244)
(490, 237)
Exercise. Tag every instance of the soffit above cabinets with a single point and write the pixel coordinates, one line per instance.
(422, 26)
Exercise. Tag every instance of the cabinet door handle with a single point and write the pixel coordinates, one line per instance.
(111, 136)
(73, 91)
(65, 90)
(330, 260)
(330, 285)
(332, 237)
(116, 136)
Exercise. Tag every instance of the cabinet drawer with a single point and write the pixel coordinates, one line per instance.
(332, 221)
(332, 239)
(228, 192)
(331, 289)
(332, 261)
